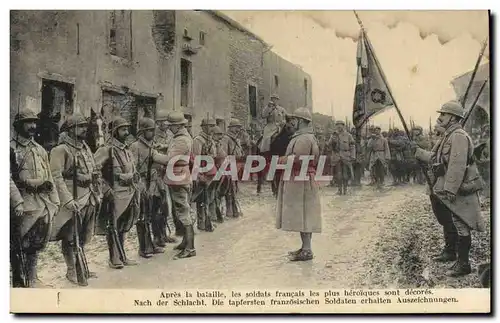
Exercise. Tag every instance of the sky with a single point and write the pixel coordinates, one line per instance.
(419, 51)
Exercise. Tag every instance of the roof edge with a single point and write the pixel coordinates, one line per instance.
(233, 23)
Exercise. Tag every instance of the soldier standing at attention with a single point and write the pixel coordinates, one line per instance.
(231, 144)
(146, 158)
(17, 264)
(203, 145)
(32, 176)
(121, 204)
(379, 155)
(274, 115)
(220, 155)
(456, 183)
(345, 153)
(180, 187)
(425, 144)
(62, 158)
(298, 205)
(164, 224)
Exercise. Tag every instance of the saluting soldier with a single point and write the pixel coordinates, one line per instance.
(151, 197)
(231, 144)
(31, 173)
(274, 114)
(378, 154)
(203, 145)
(298, 204)
(180, 186)
(62, 164)
(121, 205)
(165, 226)
(456, 183)
(343, 156)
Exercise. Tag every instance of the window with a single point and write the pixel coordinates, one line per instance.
(185, 82)
(276, 82)
(120, 33)
(202, 38)
(305, 92)
(252, 100)
(57, 102)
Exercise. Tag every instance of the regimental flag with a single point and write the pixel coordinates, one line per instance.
(371, 95)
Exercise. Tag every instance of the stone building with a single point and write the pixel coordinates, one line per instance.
(138, 62)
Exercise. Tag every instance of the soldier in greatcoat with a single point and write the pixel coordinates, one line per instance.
(17, 263)
(231, 145)
(298, 204)
(30, 169)
(379, 155)
(63, 157)
(180, 186)
(274, 114)
(357, 165)
(150, 186)
(203, 145)
(344, 154)
(121, 203)
(423, 143)
(217, 184)
(164, 225)
(396, 163)
(456, 183)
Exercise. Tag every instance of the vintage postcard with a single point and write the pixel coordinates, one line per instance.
(211, 161)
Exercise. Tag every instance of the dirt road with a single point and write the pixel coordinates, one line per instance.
(250, 252)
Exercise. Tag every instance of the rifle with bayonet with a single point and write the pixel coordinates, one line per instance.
(81, 267)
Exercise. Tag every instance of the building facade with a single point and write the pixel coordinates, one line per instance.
(136, 63)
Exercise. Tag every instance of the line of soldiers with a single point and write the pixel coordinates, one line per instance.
(73, 194)
(379, 152)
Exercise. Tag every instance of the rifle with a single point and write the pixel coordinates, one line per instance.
(469, 112)
(81, 266)
(17, 248)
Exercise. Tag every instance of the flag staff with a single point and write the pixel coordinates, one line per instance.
(384, 79)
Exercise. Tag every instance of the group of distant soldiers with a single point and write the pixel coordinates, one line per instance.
(71, 194)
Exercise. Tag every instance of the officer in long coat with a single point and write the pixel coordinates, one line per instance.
(274, 115)
(456, 182)
(203, 145)
(378, 155)
(180, 186)
(62, 163)
(31, 173)
(121, 204)
(231, 144)
(150, 186)
(165, 226)
(344, 153)
(298, 204)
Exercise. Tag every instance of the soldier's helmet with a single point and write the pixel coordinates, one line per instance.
(453, 108)
(76, 119)
(208, 122)
(340, 123)
(235, 123)
(146, 124)
(176, 118)
(218, 131)
(161, 115)
(25, 116)
(117, 123)
(275, 96)
(302, 113)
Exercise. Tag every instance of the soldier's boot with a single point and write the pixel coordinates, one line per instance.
(229, 207)
(144, 251)
(201, 215)
(114, 252)
(149, 239)
(182, 245)
(69, 258)
(212, 211)
(189, 251)
(159, 239)
(123, 256)
(462, 266)
(449, 251)
(34, 281)
(168, 229)
(218, 211)
(236, 209)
